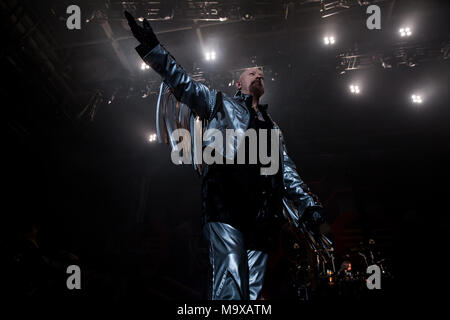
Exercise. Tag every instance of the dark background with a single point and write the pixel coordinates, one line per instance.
(83, 172)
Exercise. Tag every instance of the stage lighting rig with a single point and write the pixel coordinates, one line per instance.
(354, 89)
(405, 32)
(152, 137)
(152, 11)
(397, 55)
(329, 40)
(416, 98)
(210, 55)
(330, 8)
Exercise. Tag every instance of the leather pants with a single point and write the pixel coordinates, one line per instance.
(237, 273)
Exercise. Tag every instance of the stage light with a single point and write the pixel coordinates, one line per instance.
(329, 40)
(416, 98)
(140, 19)
(405, 32)
(354, 89)
(210, 55)
(247, 16)
(144, 66)
(152, 137)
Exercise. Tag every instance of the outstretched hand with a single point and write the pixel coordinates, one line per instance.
(144, 34)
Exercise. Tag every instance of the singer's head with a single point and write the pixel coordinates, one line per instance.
(251, 82)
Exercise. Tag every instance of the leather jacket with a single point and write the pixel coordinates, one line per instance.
(225, 112)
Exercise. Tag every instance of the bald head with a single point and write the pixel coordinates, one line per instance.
(251, 82)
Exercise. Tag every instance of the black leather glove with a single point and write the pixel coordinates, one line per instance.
(145, 34)
(313, 217)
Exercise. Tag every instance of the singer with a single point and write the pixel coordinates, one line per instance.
(239, 205)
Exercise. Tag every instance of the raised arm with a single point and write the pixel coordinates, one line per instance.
(195, 95)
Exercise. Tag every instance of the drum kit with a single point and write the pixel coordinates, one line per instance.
(316, 269)
(325, 274)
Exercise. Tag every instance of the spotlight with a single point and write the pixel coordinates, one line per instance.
(405, 32)
(140, 19)
(247, 16)
(144, 66)
(329, 40)
(152, 137)
(210, 55)
(354, 89)
(416, 98)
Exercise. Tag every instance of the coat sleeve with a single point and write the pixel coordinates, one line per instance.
(296, 190)
(197, 96)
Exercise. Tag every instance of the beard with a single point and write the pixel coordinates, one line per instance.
(256, 88)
